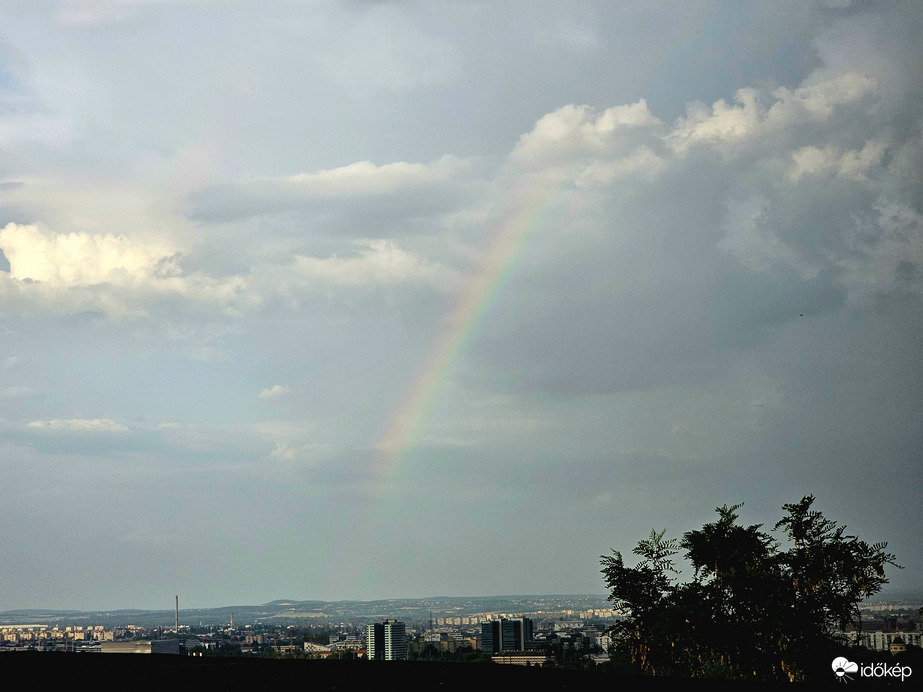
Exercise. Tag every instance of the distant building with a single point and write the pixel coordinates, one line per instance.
(506, 635)
(317, 650)
(886, 641)
(387, 641)
(160, 646)
(898, 645)
(887, 634)
(521, 658)
(375, 642)
(564, 625)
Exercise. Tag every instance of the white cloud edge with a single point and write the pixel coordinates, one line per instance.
(79, 425)
(274, 391)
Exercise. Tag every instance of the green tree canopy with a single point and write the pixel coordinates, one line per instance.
(752, 610)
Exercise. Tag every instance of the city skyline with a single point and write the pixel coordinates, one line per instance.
(373, 300)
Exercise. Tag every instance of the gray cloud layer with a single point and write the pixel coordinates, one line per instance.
(231, 240)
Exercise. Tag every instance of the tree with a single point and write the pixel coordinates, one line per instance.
(751, 609)
(831, 572)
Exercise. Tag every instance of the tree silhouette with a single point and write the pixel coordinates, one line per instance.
(751, 609)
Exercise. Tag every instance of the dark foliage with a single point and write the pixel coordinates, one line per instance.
(752, 610)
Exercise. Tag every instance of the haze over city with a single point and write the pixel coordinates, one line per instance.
(365, 300)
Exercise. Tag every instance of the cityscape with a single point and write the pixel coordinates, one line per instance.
(523, 630)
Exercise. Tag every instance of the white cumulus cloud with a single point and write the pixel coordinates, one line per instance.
(81, 259)
(750, 117)
(80, 425)
(113, 274)
(274, 391)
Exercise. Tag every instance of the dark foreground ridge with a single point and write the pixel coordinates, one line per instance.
(240, 673)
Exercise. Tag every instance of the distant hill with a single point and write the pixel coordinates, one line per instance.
(296, 611)
(292, 611)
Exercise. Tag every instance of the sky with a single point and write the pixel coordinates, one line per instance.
(359, 300)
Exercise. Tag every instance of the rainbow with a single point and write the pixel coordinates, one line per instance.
(520, 216)
(521, 213)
